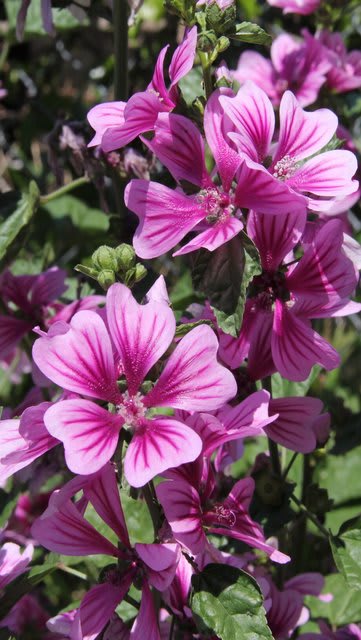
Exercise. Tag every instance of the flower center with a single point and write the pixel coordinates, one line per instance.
(267, 288)
(132, 409)
(223, 516)
(217, 204)
(285, 168)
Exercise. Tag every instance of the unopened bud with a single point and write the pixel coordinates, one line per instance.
(106, 278)
(140, 272)
(125, 256)
(105, 258)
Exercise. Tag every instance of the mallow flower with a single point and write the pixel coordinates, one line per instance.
(108, 363)
(296, 159)
(118, 123)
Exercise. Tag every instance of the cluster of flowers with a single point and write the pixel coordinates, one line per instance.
(109, 372)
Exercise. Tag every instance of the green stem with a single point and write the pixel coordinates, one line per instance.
(207, 73)
(72, 571)
(290, 464)
(310, 516)
(120, 15)
(131, 601)
(65, 189)
(172, 626)
(275, 458)
(150, 497)
(4, 54)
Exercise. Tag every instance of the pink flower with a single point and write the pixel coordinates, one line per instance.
(27, 617)
(167, 215)
(298, 65)
(118, 123)
(24, 440)
(345, 71)
(325, 176)
(63, 528)
(276, 332)
(12, 562)
(87, 358)
(31, 295)
(303, 7)
(190, 504)
(287, 611)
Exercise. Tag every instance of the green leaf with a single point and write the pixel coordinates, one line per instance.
(23, 585)
(191, 85)
(83, 217)
(14, 216)
(282, 388)
(228, 602)
(183, 329)
(344, 608)
(137, 517)
(252, 33)
(224, 275)
(346, 550)
(63, 19)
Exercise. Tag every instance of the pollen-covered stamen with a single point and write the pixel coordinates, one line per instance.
(285, 168)
(132, 409)
(218, 205)
(221, 516)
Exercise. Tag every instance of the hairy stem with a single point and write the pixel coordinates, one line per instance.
(310, 516)
(207, 73)
(63, 190)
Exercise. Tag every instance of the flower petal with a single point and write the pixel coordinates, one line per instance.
(302, 133)
(105, 116)
(102, 491)
(324, 274)
(81, 359)
(182, 508)
(179, 146)
(161, 561)
(165, 216)
(293, 427)
(296, 347)
(66, 531)
(328, 174)
(216, 126)
(99, 604)
(183, 57)
(141, 333)
(192, 378)
(252, 114)
(214, 237)
(257, 189)
(158, 445)
(140, 114)
(88, 432)
(275, 236)
(145, 625)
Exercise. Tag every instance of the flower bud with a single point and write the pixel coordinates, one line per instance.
(105, 258)
(140, 272)
(125, 256)
(106, 278)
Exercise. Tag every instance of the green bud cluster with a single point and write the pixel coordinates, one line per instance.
(114, 264)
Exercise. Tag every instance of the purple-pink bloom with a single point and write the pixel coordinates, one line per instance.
(345, 70)
(87, 357)
(276, 333)
(12, 562)
(118, 123)
(295, 159)
(303, 7)
(298, 65)
(166, 215)
(190, 504)
(64, 529)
